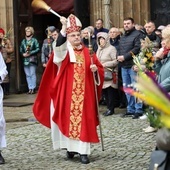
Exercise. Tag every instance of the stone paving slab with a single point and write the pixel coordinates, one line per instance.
(18, 114)
(127, 147)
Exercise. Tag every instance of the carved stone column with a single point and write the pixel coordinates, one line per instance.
(107, 13)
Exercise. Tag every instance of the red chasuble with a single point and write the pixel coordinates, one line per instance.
(73, 93)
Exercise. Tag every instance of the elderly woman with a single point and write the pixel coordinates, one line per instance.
(162, 63)
(106, 54)
(162, 66)
(29, 49)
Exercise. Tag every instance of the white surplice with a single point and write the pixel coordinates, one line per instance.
(62, 142)
(3, 73)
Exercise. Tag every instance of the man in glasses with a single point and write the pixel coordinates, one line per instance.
(69, 91)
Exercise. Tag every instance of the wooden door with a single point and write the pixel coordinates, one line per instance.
(22, 18)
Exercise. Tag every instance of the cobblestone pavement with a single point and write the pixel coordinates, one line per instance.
(126, 146)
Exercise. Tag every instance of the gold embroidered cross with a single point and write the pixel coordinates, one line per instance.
(79, 60)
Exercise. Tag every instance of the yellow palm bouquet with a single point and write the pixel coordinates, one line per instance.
(145, 57)
(152, 94)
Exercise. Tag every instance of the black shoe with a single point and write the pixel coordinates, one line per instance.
(136, 115)
(108, 113)
(128, 114)
(70, 155)
(122, 106)
(2, 160)
(103, 102)
(84, 159)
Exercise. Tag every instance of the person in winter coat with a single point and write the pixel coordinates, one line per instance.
(99, 27)
(106, 54)
(162, 63)
(47, 49)
(115, 34)
(130, 44)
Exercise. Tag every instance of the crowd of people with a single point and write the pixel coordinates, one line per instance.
(114, 70)
(94, 62)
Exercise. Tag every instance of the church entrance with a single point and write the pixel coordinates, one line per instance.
(39, 19)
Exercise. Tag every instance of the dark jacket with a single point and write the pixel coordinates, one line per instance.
(46, 50)
(96, 31)
(129, 43)
(93, 43)
(60, 40)
(153, 37)
(115, 42)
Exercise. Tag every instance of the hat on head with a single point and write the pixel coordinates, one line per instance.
(73, 24)
(2, 31)
(103, 35)
(50, 28)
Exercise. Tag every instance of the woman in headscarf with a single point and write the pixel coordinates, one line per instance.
(106, 54)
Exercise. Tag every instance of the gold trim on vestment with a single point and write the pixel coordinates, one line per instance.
(77, 99)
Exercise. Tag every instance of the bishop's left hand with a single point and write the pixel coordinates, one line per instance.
(93, 67)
